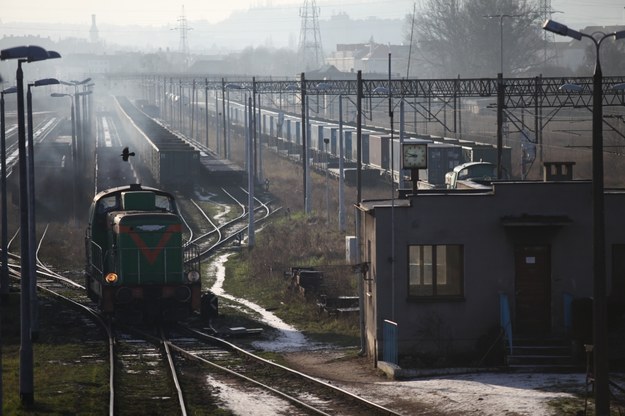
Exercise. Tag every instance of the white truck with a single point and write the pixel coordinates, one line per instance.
(471, 175)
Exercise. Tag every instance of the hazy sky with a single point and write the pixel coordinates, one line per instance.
(575, 13)
(159, 12)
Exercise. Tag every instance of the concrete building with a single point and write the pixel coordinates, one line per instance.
(446, 266)
(370, 58)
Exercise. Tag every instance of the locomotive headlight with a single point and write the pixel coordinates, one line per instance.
(111, 278)
(193, 276)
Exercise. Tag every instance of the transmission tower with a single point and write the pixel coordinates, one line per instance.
(310, 50)
(183, 28)
(549, 38)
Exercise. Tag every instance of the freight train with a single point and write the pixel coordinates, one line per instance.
(137, 265)
(380, 153)
(170, 161)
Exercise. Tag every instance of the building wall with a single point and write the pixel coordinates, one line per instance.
(475, 221)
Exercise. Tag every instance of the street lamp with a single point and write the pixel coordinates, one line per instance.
(74, 149)
(4, 272)
(326, 141)
(34, 323)
(79, 123)
(501, 17)
(600, 338)
(251, 235)
(227, 88)
(25, 54)
(500, 91)
(87, 114)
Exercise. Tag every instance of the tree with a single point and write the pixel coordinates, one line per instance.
(612, 52)
(454, 37)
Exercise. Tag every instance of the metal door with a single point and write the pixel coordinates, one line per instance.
(532, 290)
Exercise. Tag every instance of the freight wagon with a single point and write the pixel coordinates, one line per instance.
(170, 160)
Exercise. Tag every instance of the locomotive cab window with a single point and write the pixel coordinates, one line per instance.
(165, 203)
(108, 203)
(435, 271)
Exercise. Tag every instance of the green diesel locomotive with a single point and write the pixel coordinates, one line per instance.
(138, 266)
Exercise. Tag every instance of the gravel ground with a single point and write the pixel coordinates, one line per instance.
(493, 394)
(462, 394)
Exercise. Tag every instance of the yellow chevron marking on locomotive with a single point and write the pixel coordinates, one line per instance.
(150, 254)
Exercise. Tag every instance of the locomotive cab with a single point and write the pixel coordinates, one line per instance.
(137, 263)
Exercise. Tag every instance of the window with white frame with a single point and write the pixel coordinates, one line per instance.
(435, 271)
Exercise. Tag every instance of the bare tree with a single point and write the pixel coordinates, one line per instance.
(467, 38)
(612, 53)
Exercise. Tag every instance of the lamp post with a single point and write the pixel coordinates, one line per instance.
(74, 171)
(227, 88)
(500, 91)
(223, 111)
(341, 170)
(32, 224)
(4, 272)
(79, 124)
(326, 141)
(501, 17)
(24, 54)
(600, 338)
(86, 95)
(251, 239)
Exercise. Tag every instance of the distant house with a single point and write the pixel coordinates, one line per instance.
(446, 265)
(329, 72)
(210, 65)
(370, 58)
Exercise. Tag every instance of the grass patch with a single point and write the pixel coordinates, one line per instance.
(69, 375)
(258, 275)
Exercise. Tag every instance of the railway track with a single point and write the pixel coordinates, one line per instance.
(173, 380)
(141, 353)
(129, 359)
(254, 375)
(177, 382)
(41, 131)
(59, 288)
(225, 226)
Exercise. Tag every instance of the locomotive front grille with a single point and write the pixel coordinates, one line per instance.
(164, 268)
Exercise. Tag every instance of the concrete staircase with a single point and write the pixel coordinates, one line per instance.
(543, 355)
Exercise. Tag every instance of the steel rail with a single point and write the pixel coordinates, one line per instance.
(238, 349)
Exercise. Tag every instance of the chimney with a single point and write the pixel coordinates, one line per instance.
(93, 32)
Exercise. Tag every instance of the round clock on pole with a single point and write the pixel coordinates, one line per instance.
(414, 157)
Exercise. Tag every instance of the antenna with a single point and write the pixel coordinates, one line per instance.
(310, 50)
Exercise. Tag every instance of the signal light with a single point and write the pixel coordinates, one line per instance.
(111, 278)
